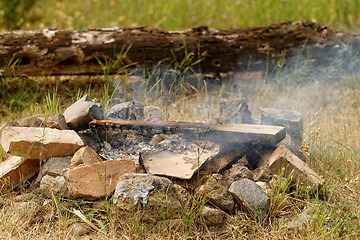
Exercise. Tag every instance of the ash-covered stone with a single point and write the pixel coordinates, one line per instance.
(155, 198)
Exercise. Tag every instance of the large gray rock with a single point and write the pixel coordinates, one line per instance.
(250, 196)
(215, 189)
(79, 114)
(40, 143)
(235, 111)
(154, 198)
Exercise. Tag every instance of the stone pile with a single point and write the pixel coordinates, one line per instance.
(54, 153)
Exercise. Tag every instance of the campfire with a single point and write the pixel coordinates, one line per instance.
(128, 155)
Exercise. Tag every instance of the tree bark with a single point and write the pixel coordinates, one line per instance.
(58, 52)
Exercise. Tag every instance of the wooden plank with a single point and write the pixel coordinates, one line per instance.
(183, 166)
(217, 133)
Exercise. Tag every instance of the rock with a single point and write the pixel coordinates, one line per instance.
(79, 229)
(290, 119)
(301, 172)
(127, 111)
(97, 180)
(154, 198)
(237, 172)
(250, 196)
(57, 186)
(79, 114)
(235, 111)
(212, 216)
(215, 189)
(85, 155)
(54, 167)
(54, 120)
(152, 113)
(40, 143)
(15, 170)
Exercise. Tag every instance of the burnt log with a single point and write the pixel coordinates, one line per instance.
(99, 51)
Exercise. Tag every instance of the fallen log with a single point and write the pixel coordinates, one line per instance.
(108, 51)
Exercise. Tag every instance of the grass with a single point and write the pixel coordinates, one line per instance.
(329, 101)
(331, 113)
(181, 14)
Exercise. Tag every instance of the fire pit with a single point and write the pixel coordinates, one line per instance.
(179, 149)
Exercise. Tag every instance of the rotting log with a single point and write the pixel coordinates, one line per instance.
(58, 52)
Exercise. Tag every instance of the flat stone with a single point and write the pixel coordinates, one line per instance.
(184, 165)
(85, 155)
(301, 172)
(54, 120)
(97, 180)
(40, 143)
(15, 170)
(154, 198)
(250, 196)
(215, 189)
(79, 114)
(54, 167)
